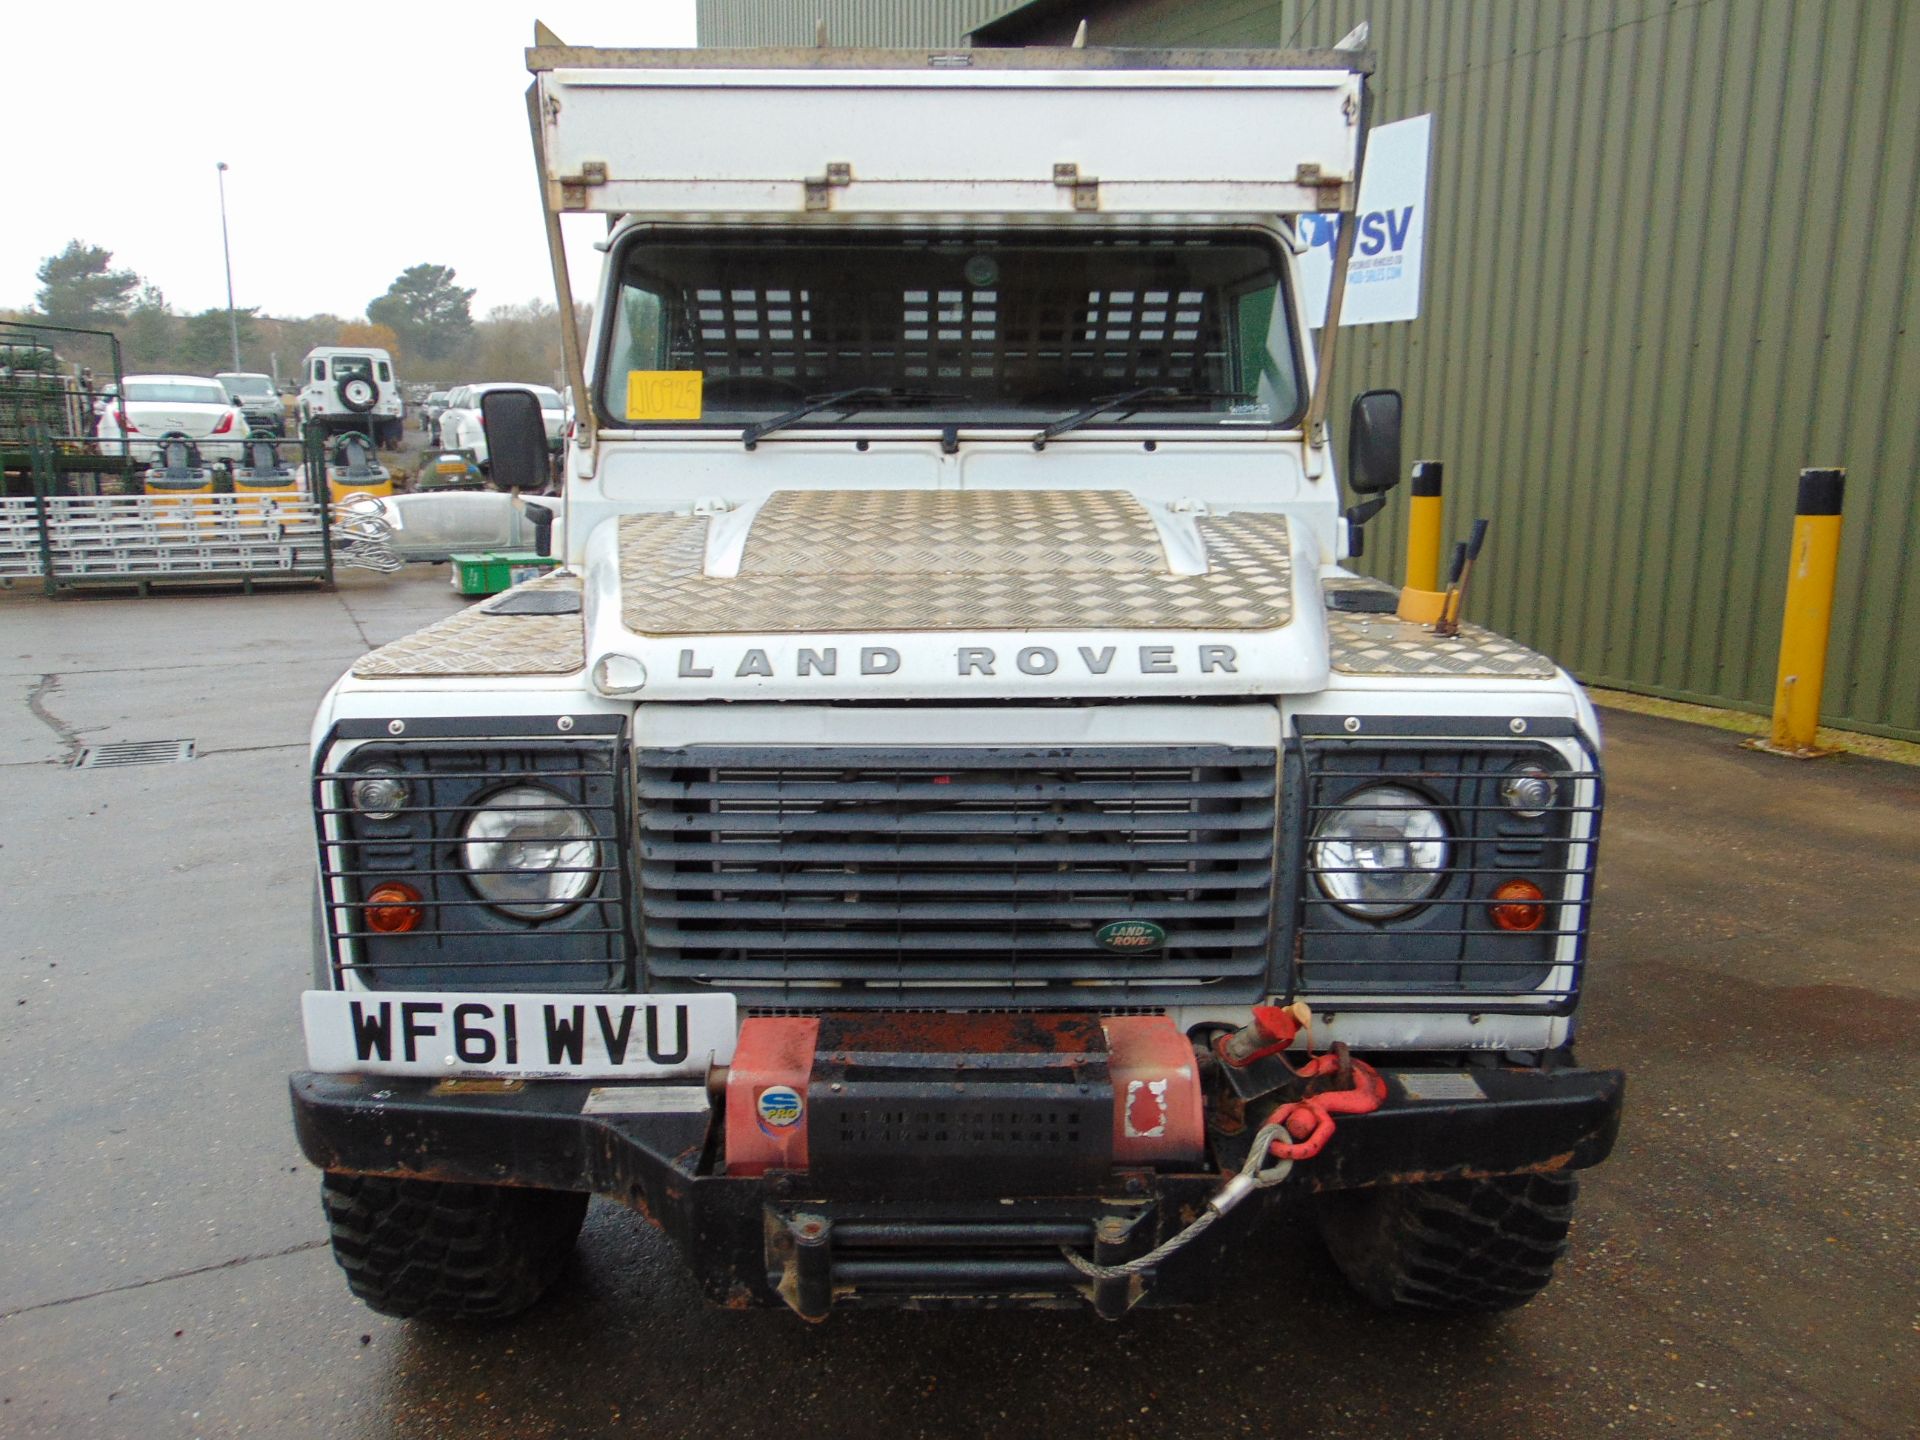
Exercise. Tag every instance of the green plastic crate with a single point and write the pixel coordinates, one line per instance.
(495, 570)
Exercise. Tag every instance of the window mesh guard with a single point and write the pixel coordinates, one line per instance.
(1026, 343)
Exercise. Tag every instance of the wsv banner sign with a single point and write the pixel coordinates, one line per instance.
(1383, 278)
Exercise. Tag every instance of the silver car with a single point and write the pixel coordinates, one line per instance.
(256, 395)
(431, 409)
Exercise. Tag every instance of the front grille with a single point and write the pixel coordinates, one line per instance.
(844, 878)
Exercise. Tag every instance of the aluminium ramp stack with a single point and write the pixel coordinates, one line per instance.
(120, 539)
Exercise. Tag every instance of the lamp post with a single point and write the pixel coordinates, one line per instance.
(233, 322)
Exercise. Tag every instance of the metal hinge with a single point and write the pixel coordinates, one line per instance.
(1086, 189)
(839, 175)
(573, 188)
(1332, 190)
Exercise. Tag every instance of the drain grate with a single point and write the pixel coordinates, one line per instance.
(134, 752)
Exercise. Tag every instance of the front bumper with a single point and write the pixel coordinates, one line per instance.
(780, 1239)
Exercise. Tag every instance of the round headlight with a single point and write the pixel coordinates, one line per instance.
(380, 794)
(530, 854)
(1528, 791)
(1382, 853)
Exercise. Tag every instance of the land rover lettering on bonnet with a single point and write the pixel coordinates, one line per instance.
(952, 826)
(968, 660)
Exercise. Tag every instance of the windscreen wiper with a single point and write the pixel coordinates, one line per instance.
(754, 433)
(1129, 398)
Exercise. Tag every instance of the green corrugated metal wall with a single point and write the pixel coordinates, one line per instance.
(1672, 258)
(910, 23)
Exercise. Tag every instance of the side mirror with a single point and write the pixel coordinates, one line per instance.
(1373, 442)
(516, 439)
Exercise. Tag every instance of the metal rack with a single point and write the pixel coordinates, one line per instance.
(70, 531)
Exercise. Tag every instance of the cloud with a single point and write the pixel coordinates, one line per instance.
(356, 149)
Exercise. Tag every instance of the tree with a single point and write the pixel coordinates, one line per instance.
(152, 332)
(287, 341)
(374, 337)
(205, 344)
(518, 342)
(430, 314)
(79, 287)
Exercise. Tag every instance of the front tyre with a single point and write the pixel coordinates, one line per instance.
(1459, 1247)
(426, 1249)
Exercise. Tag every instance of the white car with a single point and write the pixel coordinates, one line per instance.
(352, 387)
(460, 427)
(153, 407)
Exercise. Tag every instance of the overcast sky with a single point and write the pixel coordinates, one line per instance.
(357, 149)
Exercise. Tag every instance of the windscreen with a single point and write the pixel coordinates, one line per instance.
(989, 327)
(177, 392)
(254, 387)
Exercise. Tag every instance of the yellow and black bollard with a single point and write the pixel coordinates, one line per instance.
(1809, 616)
(1424, 527)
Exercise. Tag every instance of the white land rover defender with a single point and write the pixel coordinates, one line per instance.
(347, 388)
(897, 851)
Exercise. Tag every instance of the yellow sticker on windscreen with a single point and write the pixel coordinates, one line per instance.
(663, 394)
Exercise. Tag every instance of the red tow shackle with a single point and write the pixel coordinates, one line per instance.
(1310, 1121)
(1357, 1089)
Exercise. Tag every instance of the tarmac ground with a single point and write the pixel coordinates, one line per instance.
(1745, 1265)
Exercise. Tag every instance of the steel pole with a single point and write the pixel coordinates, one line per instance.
(1424, 526)
(226, 250)
(1804, 629)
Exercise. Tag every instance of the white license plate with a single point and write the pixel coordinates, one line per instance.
(405, 1032)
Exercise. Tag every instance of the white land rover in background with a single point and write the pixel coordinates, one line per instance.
(897, 852)
(352, 387)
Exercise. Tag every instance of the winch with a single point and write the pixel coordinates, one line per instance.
(1024, 1103)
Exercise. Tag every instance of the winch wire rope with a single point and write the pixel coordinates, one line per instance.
(1251, 1177)
(1296, 1130)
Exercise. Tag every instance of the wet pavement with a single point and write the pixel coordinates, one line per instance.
(1745, 1265)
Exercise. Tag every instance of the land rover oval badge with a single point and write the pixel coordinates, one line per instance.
(1130, 935)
